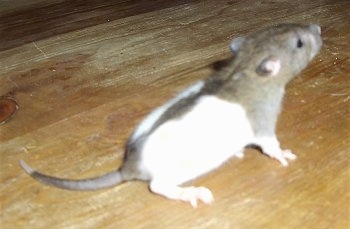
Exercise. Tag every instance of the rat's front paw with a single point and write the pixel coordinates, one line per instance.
(288, 154)
(270, 146)
(283, 155)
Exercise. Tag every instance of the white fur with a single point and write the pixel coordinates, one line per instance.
(149, 121)
(212, 132)
(202, 140)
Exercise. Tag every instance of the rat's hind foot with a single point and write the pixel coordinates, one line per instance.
(192, 194)
(187, 194)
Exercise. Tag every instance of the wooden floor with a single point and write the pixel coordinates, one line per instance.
(84, 73)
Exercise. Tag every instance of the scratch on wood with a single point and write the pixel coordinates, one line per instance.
(40, 50)
(9, 79)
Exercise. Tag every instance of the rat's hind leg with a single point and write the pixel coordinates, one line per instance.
(188, 194)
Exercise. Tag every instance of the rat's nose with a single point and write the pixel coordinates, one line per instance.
(315, 29)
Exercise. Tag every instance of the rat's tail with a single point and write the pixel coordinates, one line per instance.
(104, 181)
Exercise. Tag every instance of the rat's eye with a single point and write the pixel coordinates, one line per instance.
(300, 43)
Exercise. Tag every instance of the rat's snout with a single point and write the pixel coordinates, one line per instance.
(315, 39)
(316, 29)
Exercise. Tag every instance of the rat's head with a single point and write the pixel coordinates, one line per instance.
(277, 53)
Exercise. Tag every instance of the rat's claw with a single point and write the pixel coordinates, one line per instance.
(187, 194)
(205, 195)
(289, 154)
(283, 161)
(239, 154)
(270, 146)
(284, 155)
(193, 194)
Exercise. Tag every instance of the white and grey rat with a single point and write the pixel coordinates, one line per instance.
(214, 119)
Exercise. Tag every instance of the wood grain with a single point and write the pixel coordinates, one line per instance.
(85, 73)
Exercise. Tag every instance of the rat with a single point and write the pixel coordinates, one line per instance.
(213, 120)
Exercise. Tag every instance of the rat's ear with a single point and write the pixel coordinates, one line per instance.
(236, 44)
(270, 66)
